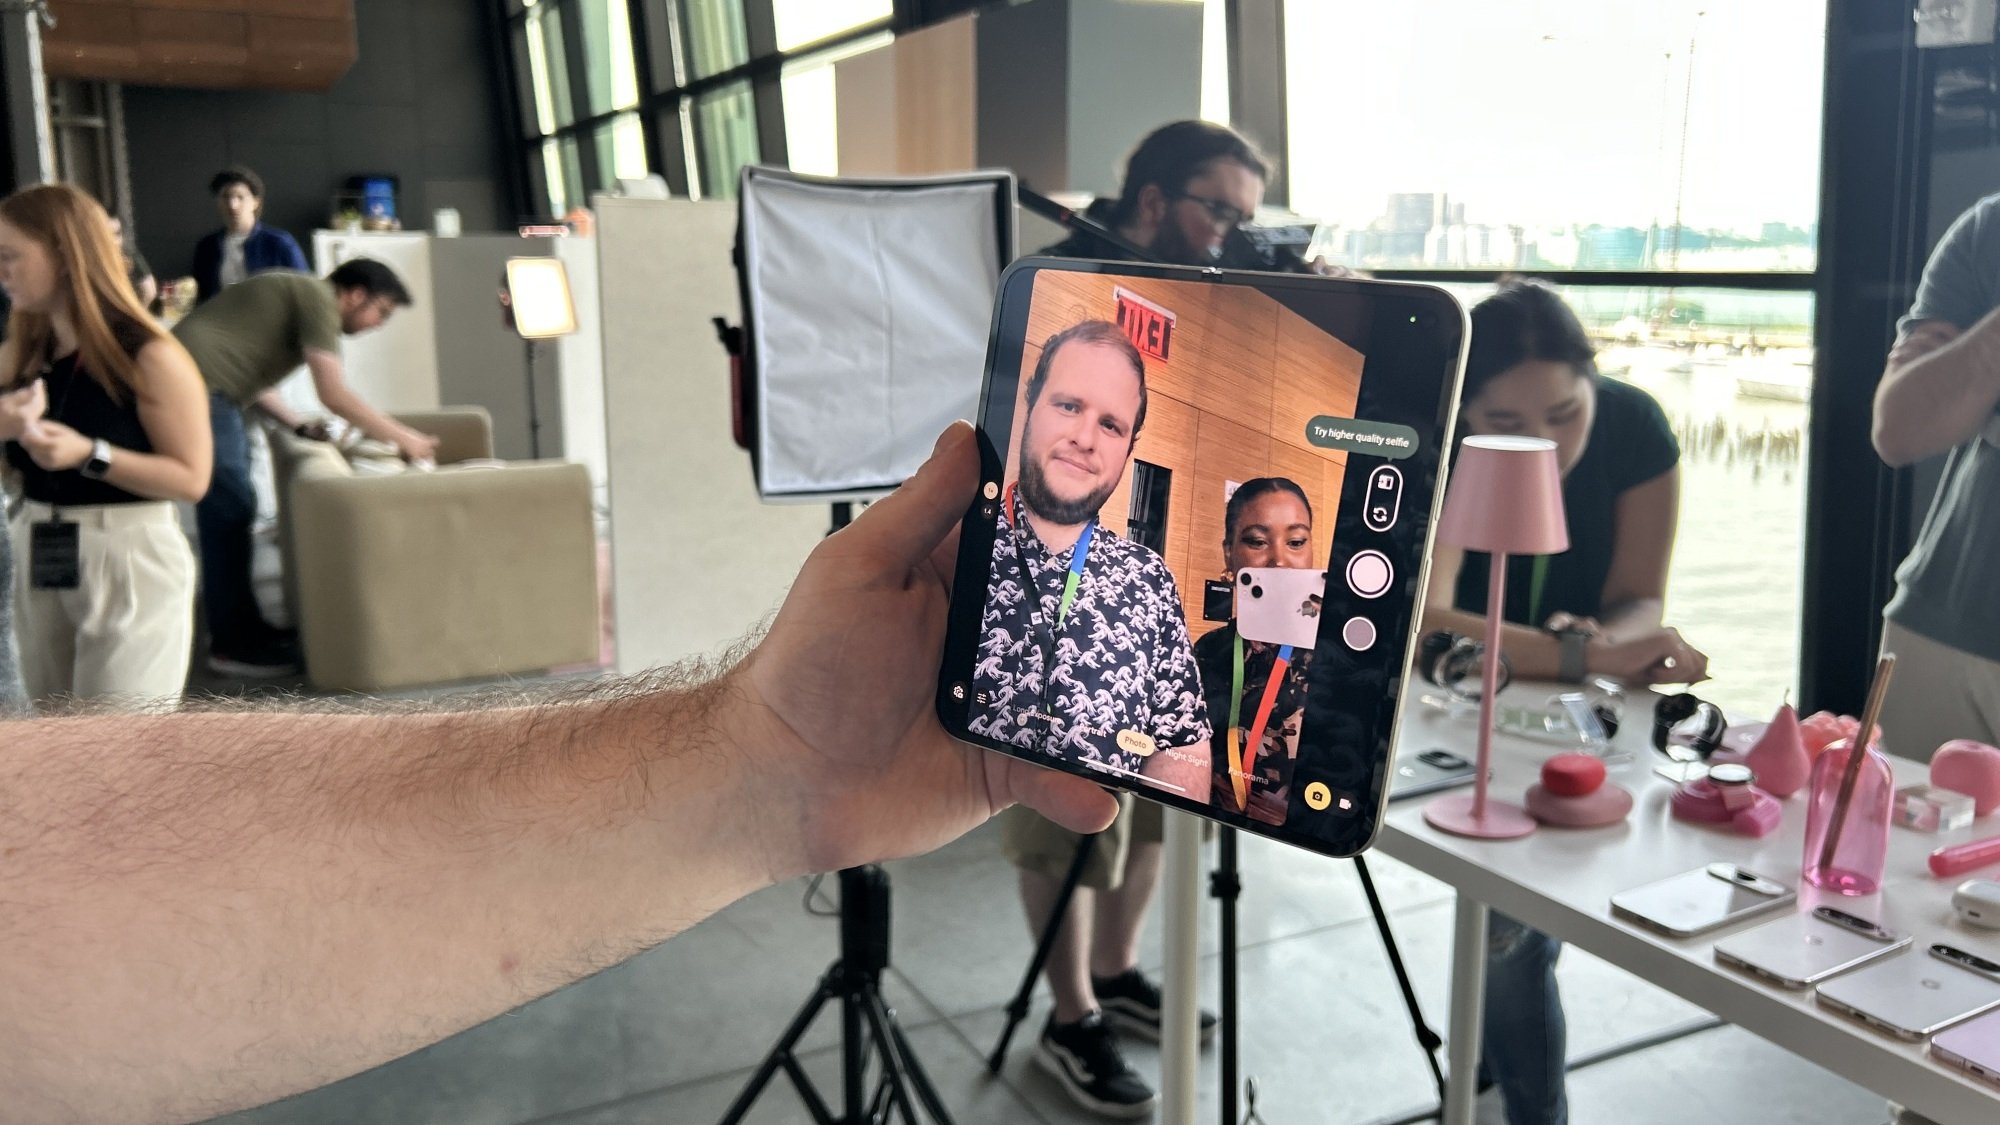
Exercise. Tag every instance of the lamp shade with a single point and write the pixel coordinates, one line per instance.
(1505, 497)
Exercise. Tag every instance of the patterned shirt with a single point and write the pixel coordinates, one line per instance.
(1123, 661)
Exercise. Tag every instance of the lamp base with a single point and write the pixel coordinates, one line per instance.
(1453, 813)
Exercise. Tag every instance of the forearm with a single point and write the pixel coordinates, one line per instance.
(1626, 619)
(262, 902)
(274, 405)
(357, 410)
(1939, 399)
(156, 476)
(1533, 653)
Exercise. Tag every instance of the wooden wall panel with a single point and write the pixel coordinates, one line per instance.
(211, 44)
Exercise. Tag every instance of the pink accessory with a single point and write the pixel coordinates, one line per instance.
(1607, 804)
(1572, 775)
(1854, 861)
(1822, 729)
(1779, 756)
(1961, 858)
(1971, 768)
(1703, 803)
(1505, 498)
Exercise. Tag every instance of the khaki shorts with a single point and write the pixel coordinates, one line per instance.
(1032, 842)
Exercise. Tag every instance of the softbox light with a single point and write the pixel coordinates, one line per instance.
(866, 305)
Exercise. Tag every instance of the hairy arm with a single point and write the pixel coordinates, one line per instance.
(254, 904)
(199, 912)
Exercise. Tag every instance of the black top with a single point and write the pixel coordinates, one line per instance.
(1630, 444)
(81, 403)
(1271, 773)
(1082, 244)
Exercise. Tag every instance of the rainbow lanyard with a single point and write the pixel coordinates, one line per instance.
(1241, 762)
(1070, 582)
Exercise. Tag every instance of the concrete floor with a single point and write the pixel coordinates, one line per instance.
(672, 1036)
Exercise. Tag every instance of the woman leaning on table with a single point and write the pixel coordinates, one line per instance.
(105, 418)
(1530, 370)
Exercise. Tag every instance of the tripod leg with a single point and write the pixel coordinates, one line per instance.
(1226, 887)
(902, 1060)
(1427, 1038)
(1017, 1008)
(781, 1056)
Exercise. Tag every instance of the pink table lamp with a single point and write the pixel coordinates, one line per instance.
(1505, 498)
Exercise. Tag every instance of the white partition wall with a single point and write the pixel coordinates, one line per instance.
(697, 560)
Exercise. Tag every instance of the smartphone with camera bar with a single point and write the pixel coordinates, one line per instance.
(1800, 950)
(1193, 567)
(1916, 994)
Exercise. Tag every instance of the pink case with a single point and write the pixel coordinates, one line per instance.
(1973, 1046)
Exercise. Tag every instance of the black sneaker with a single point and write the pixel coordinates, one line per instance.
(1132, 1003)
(1084, 1057)
(260, 662)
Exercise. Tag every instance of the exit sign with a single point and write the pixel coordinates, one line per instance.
(1149, 326)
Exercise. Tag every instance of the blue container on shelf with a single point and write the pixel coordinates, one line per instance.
(378, 202)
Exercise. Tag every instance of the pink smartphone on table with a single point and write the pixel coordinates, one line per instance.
(1973, 1047)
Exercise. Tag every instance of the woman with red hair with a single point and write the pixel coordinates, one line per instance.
(106, 419)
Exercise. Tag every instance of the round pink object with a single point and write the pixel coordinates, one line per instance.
(1972, 768)
(1607, 804)
(1572, 775)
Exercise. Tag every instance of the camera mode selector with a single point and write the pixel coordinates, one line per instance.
(1384, 499)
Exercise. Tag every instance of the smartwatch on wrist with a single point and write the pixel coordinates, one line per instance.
(1570, 655)
(99, 462)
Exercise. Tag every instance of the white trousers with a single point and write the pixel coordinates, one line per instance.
(125, 632)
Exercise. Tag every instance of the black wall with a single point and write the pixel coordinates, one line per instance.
(426, 102)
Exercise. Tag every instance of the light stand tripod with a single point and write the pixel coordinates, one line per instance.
(868, 1028)
(869, 1032)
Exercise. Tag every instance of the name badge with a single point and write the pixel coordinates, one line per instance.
(55, 555)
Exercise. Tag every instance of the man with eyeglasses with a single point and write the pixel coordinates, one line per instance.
(1188, 186)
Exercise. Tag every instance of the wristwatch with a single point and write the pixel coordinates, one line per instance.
(99, 462)
(1570, 655)
(1732, 784)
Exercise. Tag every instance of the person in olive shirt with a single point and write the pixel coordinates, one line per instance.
(245, 340)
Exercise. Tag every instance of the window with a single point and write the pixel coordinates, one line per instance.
(1674, 141)
(611, 78)
(690, 89)
(725, 131)
(1685, 135)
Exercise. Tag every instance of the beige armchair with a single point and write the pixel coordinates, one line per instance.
(423, 578)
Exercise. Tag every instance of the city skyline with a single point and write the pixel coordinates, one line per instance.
(1560, 111)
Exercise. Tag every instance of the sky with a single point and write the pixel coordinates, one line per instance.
(1558, 111)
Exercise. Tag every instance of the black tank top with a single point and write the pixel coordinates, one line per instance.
(81, 403)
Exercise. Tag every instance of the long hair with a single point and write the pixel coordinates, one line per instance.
(111, 325)
(1524, 320)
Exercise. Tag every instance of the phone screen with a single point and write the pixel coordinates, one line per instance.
(1149, 433)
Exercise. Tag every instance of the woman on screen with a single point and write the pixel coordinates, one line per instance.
(1267, 523)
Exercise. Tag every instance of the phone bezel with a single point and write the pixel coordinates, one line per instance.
(1427, 322)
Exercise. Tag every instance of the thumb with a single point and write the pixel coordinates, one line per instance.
(912, 520)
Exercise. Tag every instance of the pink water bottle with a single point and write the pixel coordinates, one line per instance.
(1858, 827)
